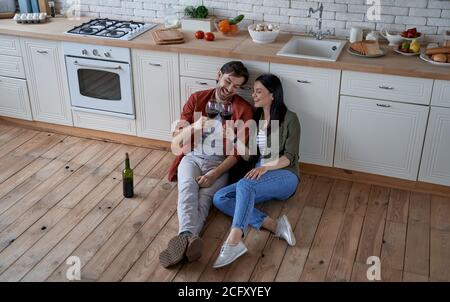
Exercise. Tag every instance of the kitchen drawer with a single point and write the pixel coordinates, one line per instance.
(14, 99)
(12, 67)
(105, 122)
(387, 87)
(191, 85)
(441, 94)
(207, 67)
(9, 45)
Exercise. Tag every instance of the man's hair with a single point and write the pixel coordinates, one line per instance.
(235, 69)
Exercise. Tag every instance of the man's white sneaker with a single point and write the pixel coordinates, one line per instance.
(229, 253)
(284, 230)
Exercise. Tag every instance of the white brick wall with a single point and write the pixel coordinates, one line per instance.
(431, 17)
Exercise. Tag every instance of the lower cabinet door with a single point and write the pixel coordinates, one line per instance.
(435, 166)
(380, 137)
(14, 100)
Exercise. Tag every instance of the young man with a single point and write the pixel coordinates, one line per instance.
(202, 173)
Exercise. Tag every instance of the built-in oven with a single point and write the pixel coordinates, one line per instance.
(100, 78)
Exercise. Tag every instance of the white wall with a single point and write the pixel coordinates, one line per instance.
(431, 17)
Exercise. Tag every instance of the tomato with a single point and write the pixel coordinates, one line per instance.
(209, 36)
(199, 34)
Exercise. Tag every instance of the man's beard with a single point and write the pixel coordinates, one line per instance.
(221, 95)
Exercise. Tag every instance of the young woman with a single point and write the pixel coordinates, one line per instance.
(270, 179)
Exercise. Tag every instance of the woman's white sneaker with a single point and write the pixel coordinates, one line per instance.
(284, 230)
(229, 253)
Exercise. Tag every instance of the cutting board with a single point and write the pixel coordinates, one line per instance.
(43, 7)
(165, 36)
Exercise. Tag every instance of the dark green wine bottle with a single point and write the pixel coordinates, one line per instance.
(127, 178)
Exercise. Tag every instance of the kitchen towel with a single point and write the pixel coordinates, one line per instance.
(25, 6)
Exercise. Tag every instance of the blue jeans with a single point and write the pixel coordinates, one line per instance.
(238, 200)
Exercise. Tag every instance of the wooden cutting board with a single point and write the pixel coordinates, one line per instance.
(167, 36)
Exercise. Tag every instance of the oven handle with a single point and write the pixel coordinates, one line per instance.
(99, 67)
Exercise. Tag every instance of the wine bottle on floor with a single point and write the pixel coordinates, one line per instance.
(127, 178)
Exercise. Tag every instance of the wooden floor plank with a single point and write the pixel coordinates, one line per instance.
(440, 213)
(393, 251)
(398, 206)
(14, 139)
(319, 192)
(373, 226)
(410, 277)
(417, 253)
(341, 263)
(440, 239)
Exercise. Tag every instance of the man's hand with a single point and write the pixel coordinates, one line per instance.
(256, 173)
(207, 180)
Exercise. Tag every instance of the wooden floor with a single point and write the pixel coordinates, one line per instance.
(61, 196)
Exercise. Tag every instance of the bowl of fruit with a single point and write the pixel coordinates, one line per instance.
(408, 48)
(229, 27)
(263, 33)
(411, 34)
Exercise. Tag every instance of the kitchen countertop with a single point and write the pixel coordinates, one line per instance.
(240, 46)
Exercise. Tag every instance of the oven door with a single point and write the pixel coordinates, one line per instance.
(101, 85)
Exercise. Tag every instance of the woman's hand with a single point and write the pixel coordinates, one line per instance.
(256, 173)
(207, 180)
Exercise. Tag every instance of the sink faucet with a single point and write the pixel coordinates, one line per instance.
(319, 35)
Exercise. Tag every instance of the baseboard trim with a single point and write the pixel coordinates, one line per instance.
(409, 185)
(88, 133)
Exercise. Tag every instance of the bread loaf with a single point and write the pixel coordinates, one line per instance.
(437, 50)
(440, 57)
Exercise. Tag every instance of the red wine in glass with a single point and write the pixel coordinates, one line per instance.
(227, 111)
(212, 109)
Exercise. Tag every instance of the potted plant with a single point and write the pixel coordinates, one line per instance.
(197, 18)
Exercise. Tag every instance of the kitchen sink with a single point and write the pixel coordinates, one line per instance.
(310, 48)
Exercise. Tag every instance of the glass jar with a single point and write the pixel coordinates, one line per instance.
(171, 19)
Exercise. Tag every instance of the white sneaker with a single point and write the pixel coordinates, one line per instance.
(284, 230)
(229, 253)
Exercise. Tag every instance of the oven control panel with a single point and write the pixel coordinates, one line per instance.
(100, 52)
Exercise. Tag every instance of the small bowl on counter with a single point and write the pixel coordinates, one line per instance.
(263, 33)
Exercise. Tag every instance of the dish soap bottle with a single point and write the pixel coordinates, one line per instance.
(127, 179)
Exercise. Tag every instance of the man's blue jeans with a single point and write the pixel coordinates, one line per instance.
(238, 200)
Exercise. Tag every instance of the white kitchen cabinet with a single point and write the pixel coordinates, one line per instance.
(380, 137)
(47, 81)
(10, 45)
(387, 87)
(312, 93)
(91, 119)
(191, 85)
(14, 100)
(441, 94)
(157, 92)
(11, 66)
(435, 165)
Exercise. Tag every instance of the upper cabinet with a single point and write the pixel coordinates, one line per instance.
(157, 92)
(441, 94)
(47, 81)
(312, 93)
(387, 87)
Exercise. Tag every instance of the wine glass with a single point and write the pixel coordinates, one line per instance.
(212, 108)
(227, 111)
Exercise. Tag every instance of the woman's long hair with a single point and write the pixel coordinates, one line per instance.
(278, 108)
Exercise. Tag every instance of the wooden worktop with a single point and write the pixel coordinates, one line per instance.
(240, 46)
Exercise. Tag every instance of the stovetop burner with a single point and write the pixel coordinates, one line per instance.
(114, 29)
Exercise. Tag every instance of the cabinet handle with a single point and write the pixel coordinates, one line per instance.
(303, 81)
(384, 105)
(155, 64)
(201, 83)
(386, 87)
(43, 52)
